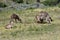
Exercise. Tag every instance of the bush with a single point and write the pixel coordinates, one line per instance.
(50, 2)
(18, 1)
(3, 5)
(58, 5)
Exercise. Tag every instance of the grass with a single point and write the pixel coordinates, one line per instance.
(29, 29)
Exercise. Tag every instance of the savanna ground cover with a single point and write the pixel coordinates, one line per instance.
(29, 29)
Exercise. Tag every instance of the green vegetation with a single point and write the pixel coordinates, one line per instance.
(50, 2)
(3, 5)
(18, 1)
(29, 29)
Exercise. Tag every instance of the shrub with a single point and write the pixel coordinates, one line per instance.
(3, 5)
(18, 1)
(50, 2)
(58, 5)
